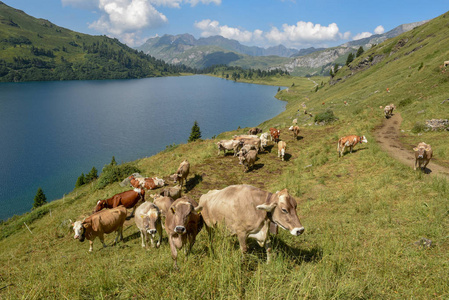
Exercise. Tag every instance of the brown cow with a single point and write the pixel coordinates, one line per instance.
(128, 199)
(349, 141)
(275, 134)
(281, 149)
(254, 131)
(163, 203)
(172, 192)
(182, 225)
(182, 173)
(247, 159)
(247, 212)
(423, 154)
(99, 223)
(148, 220)
(295, 130)
(253, 140)
(147, 183)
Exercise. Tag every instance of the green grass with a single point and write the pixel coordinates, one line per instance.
(362, 213)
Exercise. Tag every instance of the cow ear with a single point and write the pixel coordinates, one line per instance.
(267, 207)
(415, 149)
(198, 209)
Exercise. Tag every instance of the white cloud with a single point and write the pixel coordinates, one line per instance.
(125, 19)
(297, 35)
(379, 29)
(362, 35)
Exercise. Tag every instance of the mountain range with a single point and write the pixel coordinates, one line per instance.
(204, 52)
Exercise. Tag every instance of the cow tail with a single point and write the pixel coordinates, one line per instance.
(338, 145)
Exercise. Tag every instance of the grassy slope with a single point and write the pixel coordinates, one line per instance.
(362, 213)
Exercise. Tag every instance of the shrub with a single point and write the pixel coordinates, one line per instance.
(419, 127)
(325, 117)
(114, 173)
(405, 102)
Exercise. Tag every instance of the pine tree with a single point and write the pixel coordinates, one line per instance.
(360, 51)
(350, 58)
(39, 199)
(92, 175)
(80, 181)
(195, 134)
(113, 162)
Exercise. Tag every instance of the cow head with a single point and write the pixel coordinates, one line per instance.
(182, 211)
(421, 150)
(150, 219)
(291, 128)
(159, 181)
(282, 208)
(363, 139)
(80, 230)
(100, 205)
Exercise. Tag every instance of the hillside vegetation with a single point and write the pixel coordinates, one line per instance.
(35, 49)
(365, 214)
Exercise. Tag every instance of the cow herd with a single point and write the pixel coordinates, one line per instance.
(244, 210)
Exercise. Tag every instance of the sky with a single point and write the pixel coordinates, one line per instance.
(295, 24)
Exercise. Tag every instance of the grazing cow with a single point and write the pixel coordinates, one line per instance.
(295, 121)
(423, 154)
(98, 224)
(172, 192)
(446, 63)
(281, 149)
(229, 145)
(349, 141)
(182, 225)
(148, 220)
(295, 130)
(247, 159)
(247, 212)
(388, 110)
(264, 139)
(128, 199)
(275, 134)
(254, 131)
(252, 140)
(182, 173)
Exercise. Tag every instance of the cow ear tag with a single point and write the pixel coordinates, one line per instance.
(172, 209)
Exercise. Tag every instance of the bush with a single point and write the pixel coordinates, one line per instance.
(405, 102)
(325, 117)
(115, 173)
(419, 127)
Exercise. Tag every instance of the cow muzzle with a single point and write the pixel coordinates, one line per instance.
(180, 229)
(420, 156)
(152, 231)
(297, 231)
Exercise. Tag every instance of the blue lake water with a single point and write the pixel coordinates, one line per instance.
(51, 132)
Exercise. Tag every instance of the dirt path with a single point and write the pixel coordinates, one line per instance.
(387, 136)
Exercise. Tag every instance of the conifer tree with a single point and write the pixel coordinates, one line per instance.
(195, 134)
(349, 59)
(92, 175)
(80, 181)
(113, 162)
(360, 51)
(39, 198)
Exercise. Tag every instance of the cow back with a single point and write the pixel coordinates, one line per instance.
(106, 221)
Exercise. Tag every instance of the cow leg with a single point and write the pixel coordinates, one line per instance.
(242, 241)
(143, 237)
(414, 167)
(268, 248)
(119, 236)
(350, 149)
(132, 213)
(91, 246)
(174, 253)
(159, 232)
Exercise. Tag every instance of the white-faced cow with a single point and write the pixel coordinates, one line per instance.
(148, 220)
(281, 149)
(423, 154)
(349, 141)
(182, 173)
(182, 224)
(247, 211)
(295, 130)
(229, 145)
(100, 223)
(128, 199)
(275, 134)
(146, 183)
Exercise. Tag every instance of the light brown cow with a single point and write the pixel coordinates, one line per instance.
(172, 192)
(295, 130)
(182, 173)
(229, 145)
(423, 154)
(252, 140)
(388, 110)
(247, 159)
(247, 212)
(446, 63)
(148, 220)
(281, 149)
(105, 221)
(349, 141)
(182, 225)
(164, 204)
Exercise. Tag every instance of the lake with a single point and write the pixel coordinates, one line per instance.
(51, 132)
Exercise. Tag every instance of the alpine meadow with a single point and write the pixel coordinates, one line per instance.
(374, 227)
